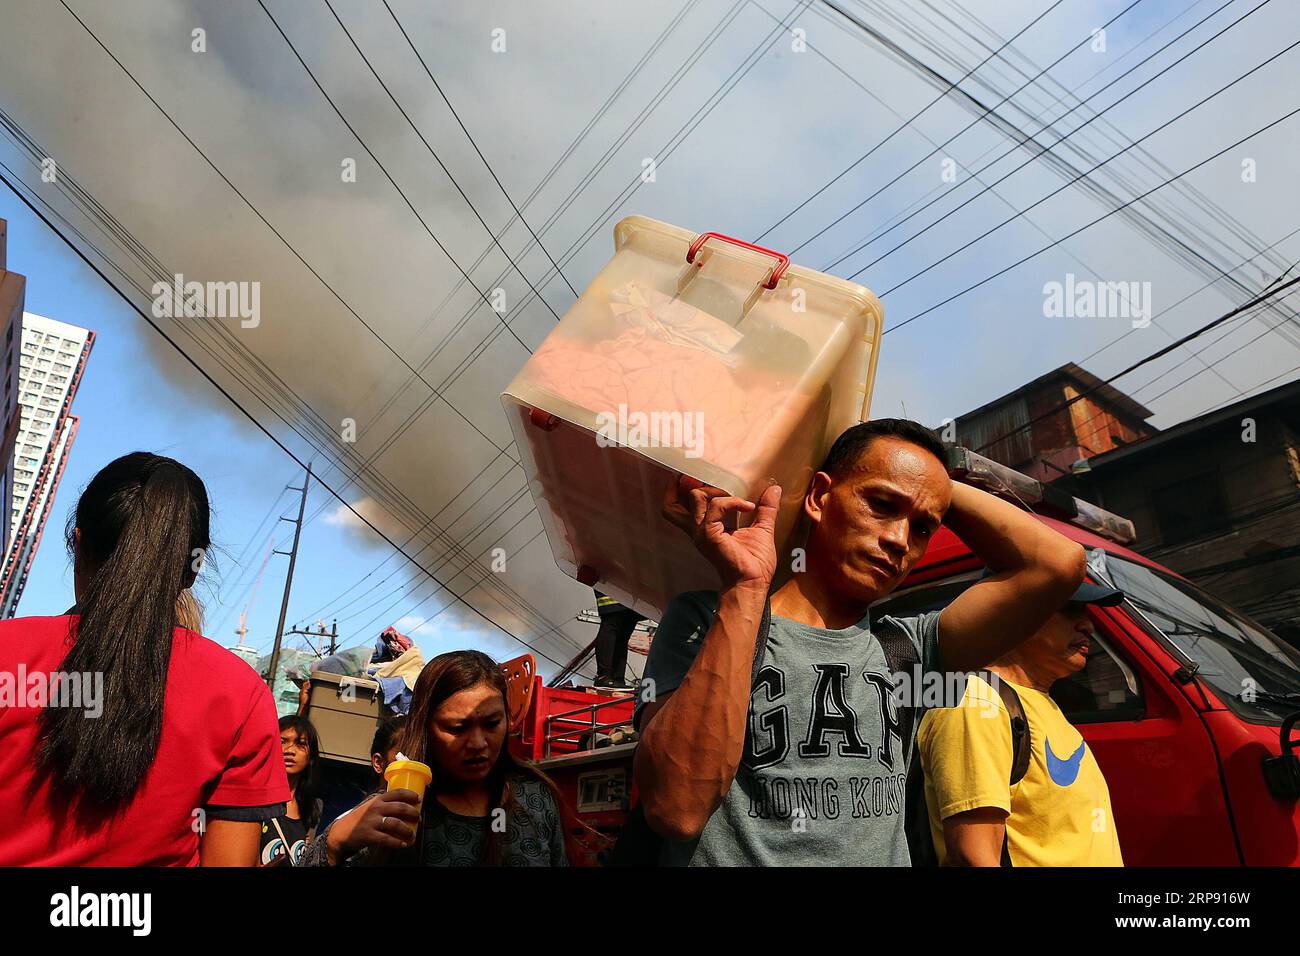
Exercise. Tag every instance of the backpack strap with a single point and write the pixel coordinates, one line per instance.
(1021, 749)
(760, 642)
(1021, 744)
(901, 656)
(288, 849)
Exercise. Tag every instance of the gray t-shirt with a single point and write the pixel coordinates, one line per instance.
(822, 778)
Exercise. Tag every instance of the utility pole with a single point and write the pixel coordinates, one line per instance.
(288, 580)
(332, 634)
(320, 634)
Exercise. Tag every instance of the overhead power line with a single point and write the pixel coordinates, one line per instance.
(1087, 225)
(989, 232)
(904, 125)
(975, 122)
(469, 136)
(1158, 353)
(230, 398)
(1045, 150)
(268, 224)
(1194, 247)
(443, 166)
(382, 168)
(438, 395)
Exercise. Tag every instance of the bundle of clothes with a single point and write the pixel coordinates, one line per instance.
(394, 662)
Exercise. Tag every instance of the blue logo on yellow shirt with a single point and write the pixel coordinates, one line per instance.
(1063, 772)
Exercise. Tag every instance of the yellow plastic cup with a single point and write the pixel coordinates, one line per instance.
(408, 775)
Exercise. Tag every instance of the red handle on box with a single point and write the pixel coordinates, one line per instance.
(783, 261)
(543, 419)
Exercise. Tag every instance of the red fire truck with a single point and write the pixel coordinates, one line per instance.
(1190, 707)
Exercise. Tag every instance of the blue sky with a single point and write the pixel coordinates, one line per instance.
(793, 122)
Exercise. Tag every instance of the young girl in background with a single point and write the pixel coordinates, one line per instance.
(286, 836)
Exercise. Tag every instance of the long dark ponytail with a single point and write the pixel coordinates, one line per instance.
(141, 533)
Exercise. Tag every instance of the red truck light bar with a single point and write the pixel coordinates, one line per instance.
(966, 466)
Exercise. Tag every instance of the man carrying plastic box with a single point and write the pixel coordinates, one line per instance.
(790, 749)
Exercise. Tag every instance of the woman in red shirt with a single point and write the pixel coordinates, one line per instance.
(125, 739)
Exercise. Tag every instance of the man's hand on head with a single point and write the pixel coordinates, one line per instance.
(1035, 570)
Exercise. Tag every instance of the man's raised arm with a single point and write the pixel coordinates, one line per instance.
(692, 738)
(1035, 570)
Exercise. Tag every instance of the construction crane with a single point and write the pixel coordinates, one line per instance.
(242, 649)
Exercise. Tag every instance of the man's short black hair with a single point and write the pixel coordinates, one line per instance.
(854, 441)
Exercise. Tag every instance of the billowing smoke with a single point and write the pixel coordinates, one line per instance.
(352, 337)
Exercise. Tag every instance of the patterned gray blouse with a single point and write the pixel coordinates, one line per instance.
(534, 837)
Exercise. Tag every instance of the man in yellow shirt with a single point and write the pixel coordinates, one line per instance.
(1058, 812)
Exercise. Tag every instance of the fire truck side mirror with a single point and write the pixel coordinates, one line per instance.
(1282, 773)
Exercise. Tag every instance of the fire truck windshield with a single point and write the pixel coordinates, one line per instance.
(1257, 673)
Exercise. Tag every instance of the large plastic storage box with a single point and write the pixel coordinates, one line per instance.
(688, 354)
(345, 713)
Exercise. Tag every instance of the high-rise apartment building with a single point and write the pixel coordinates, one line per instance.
(52, 359)
(12, 293)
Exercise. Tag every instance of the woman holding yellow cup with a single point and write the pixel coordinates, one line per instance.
(455, 795)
